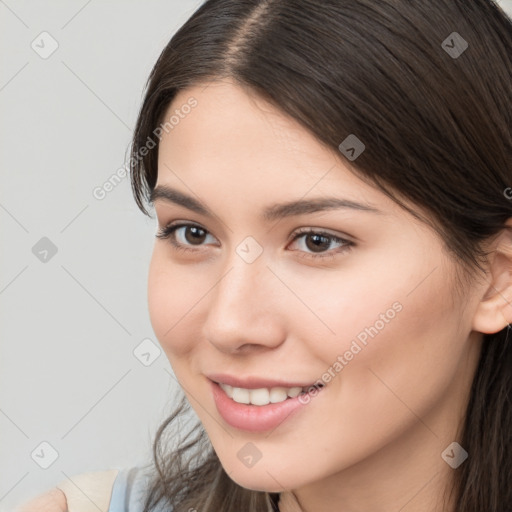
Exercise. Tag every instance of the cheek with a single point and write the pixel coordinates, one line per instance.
(340, 310)
(401, 322)
(410, 359)
(172, 297)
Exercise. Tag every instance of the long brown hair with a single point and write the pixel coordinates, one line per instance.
(427, 86)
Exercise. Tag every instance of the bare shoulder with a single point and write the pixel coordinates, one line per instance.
(53, 500)
(76, 493)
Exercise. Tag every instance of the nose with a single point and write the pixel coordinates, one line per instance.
(244, 313)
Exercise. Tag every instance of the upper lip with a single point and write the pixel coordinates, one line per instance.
(252, 382)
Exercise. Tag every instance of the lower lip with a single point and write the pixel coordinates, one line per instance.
(254, 418)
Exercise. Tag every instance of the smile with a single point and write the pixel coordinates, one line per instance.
(261, 409)
(262, 396)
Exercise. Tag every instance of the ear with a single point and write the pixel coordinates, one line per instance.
(494, 312)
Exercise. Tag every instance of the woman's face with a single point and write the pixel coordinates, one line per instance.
(364, 304)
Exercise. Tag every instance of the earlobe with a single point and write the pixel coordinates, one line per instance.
(494, 312)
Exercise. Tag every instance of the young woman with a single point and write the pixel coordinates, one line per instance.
(332, 274)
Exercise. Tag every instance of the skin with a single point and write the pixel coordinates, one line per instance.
(52, 501)
(373, 438)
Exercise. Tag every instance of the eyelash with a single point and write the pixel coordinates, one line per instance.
(167, 233)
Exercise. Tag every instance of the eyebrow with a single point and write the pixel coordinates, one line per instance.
(270, 213)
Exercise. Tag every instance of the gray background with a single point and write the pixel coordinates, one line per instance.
(70, 324)
(71, 321)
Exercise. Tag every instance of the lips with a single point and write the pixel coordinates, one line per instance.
(257, 382)
(249, 407)
(256, 418)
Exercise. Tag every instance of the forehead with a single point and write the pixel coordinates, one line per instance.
(240, 123)
(235, 141)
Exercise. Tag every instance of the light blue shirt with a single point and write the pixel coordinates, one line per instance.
(128, 492)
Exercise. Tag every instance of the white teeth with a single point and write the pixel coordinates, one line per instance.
(240, 395)
(262, 396)
(278, 395)
(228, 389)
(259, 396)
(293, 392)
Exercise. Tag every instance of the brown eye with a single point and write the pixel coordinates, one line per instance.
(194, 234)
(184, 236)
(319, 244)
(316, 244)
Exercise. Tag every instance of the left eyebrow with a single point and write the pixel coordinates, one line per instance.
(272, 212)
(280, 211)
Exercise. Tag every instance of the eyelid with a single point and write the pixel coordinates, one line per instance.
(321, 231)
(167, 232)
(295, 232)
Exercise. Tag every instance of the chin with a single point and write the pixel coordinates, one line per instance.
(263, 478)
(263, 484)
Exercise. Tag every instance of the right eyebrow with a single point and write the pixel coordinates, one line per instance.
(270, 213)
